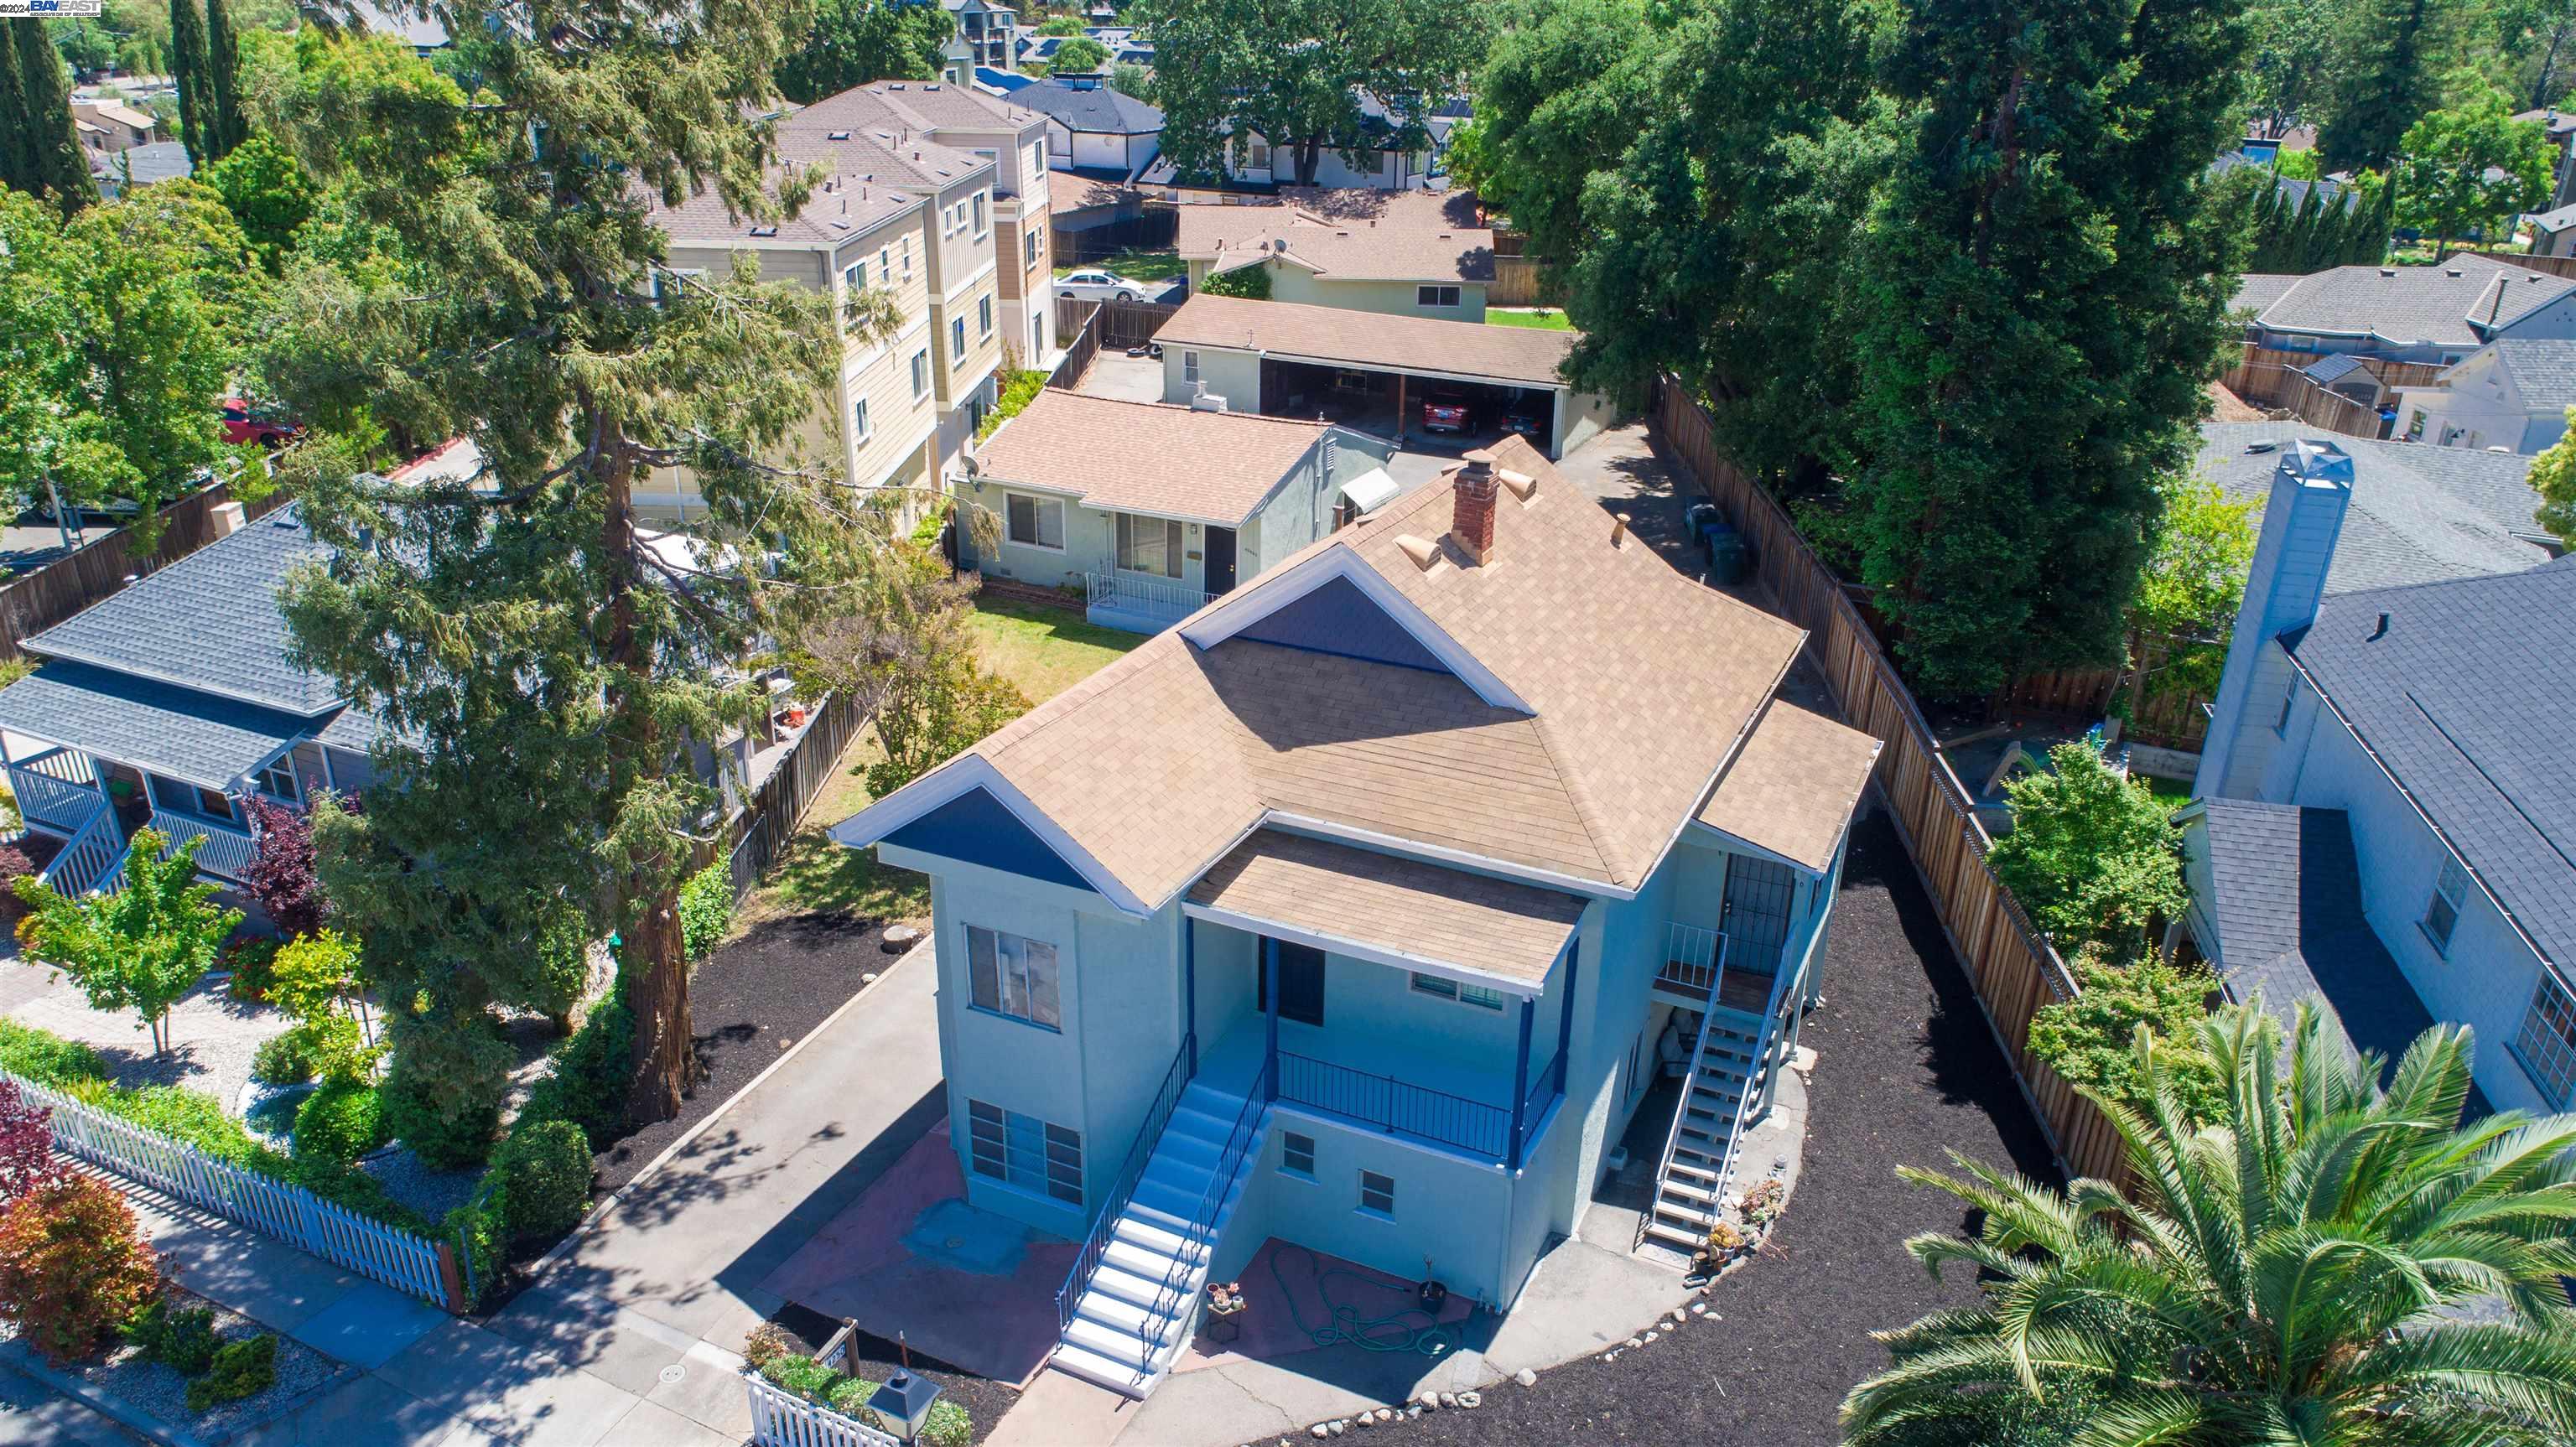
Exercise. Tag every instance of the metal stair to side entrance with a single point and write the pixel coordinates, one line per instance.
(1731, 1066)
(1135, 1312)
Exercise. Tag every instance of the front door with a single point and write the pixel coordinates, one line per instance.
(1756, 913)
(1301, 984)
(1220, 561)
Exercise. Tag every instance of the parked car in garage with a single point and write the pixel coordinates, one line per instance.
(1447, 409)
(1527, 413)
(1103, 286)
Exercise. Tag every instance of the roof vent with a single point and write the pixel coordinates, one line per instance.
(764, 231)
(1425, 555)
(2379, 632)
(1522, 485)
(2388, 271)
(838, 136)
(2453, 272)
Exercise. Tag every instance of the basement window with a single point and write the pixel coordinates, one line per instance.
(1377, 1194)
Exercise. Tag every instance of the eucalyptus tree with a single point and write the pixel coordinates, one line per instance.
(538, 671)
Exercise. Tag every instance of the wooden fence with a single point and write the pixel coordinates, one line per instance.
(1078, 353)
(1518, 281)
(2552, 265)
(2164, 718)
(2274, 379)
(1114, 324)
(2013, 969)
(778, 806)
(783, 1419)
(54, 592)
(292, 1214)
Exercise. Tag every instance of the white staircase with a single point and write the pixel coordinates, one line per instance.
(1134, 1314)
(1726, 1078)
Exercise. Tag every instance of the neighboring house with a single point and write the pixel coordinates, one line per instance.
(932, 195)
(2562, 135)
(139, 166)
(1152, 509)
(2384, 798)
(423, 33)
(107, 127)
(1409, 253)
(1093, 130)
(1382, 165)
(2511, 394)
(171, 703)
(2435, 314)
(2414, 515)
(1353, 909)
(2265, 150)
(2344, 375)
(1375, 371)
(987, 37)
(2553, 233)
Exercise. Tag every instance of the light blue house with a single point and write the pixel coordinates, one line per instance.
(2386, 817)
(1151, 510)
(1352, 910)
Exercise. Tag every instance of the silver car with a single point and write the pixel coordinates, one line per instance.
(1096, 285)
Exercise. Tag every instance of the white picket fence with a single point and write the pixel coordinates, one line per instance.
(276, 1208)
(781, 1420)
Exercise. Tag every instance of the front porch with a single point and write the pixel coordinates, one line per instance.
(91, 807)
(1138, 603)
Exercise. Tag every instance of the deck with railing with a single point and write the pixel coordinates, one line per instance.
(1697, 964)
(227, 850)
(56, 789)
(1135, 596)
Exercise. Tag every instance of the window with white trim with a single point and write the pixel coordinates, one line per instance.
(1029, 244)
(984, 314)
(1149, 545)
(1012, 975)
(278, 780)
(1449, 989)
(1189, 366)
(885, 266)
(2289, 697)
(907, 258)
(1035, 1155)
(1260, 157)
(956, 343)
(921, 374)
(1377, 1193)
(2442, 911)
(860, 428)
(2547, 1043)
(854, 276)
(1436, 297)
(1035, 522)
(1297, 1154)
(982, 223)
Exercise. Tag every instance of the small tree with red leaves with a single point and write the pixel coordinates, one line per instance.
(72, 1266)
(27, 1158)
(281, 876)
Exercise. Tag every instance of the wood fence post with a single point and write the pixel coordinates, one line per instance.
(452, 1280)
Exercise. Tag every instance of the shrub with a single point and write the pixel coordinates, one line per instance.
(328, 1048)
(948, 1425)
(252, 959)
(444, 1089)
(476, 1229)
(187, 1115)
(767, 1343)
(183, 1340)
(315, 975)
(587, 1085)
(281, 874)
(27, 1159)
(2092, 856)
(706, 908)
(849, 1397)
(802, 1375)
(14, 865)
(340, 1122)
(46, 1058)
(1249, 282)
(543, 1174)
(285, 1058)
(241, 1369)
(2091, 1040)
(72, 1267)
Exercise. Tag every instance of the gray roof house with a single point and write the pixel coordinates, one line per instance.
(2435, 314)
(172, 703)
(2414, 514)
(2510, 395)
(2385, 823)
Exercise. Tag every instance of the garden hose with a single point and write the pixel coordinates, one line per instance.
(1348, 1325)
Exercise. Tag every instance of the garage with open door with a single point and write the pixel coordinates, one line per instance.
(1428, 385)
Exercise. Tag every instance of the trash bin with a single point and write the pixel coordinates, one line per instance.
(1727, 557)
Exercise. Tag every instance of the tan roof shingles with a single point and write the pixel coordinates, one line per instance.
(1492, 926)
(1794, 785)
(1371, 236)
(1642, 682)
(1147, 457)
(1528, 356)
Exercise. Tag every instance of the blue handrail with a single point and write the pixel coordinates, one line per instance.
(1176, 1079)
(1200, 1239)
(1401, 1108)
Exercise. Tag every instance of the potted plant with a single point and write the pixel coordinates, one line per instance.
(1723, 1244)
(1225, 1302)
(1434, 1292)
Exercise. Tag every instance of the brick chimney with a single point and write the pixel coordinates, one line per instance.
(1471, 521)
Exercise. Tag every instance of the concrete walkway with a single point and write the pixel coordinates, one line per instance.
(631, 1335)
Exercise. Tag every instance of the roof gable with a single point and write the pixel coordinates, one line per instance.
(1338, 618)
(977, 828)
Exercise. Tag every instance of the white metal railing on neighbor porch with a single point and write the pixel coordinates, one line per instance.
(56, 787)
(1160, 597)
(96, 851)
(227, 850)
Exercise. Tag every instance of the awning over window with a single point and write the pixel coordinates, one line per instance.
(1370, 490)
(179, 733)
(1395, 911)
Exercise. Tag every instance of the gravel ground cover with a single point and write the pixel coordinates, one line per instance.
(1905, 1068)
(162, 1394)
(213, 1035)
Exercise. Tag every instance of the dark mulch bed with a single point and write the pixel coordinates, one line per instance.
(1905, 1068)
(875, 1358)
(748, 1002)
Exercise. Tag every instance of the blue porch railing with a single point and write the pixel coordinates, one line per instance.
(1401, 1108)
(1175, 1080)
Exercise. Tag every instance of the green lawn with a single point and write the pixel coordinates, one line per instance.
(1543, 318)
(1043, 650)
(1135, 266)
(2172, 792)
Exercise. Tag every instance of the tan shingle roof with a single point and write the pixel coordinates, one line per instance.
(1147, 457)
(1794, 786)
(1398, 906)
(1526, 356)
(1349, 233)
(1642, 683)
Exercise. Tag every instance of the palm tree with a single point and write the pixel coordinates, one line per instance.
(2334, 1264)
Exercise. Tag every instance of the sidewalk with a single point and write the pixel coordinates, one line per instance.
(631, 1335)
